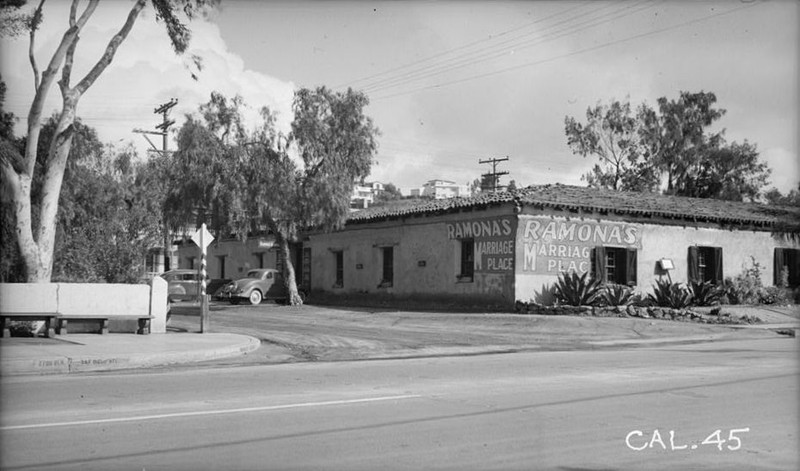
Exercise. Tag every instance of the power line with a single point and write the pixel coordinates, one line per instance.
(581, 51)
(502, 48)
(459, 48)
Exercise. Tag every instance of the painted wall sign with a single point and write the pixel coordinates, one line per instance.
(552, 246)
(493, 242)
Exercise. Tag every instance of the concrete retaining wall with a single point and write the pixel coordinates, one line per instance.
(89, 298)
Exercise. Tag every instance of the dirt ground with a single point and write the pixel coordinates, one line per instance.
(318, 333)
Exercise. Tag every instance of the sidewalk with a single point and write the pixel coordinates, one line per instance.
(91, 352)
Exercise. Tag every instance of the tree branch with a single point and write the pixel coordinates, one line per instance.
(111, 49)
(37, 18)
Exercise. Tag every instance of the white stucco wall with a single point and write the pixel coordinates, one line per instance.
(652, 241)
(426, 258)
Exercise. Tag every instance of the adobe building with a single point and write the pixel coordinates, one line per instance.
(498, 248)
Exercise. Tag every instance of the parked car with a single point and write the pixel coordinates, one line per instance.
(259, 284)
(182, 285)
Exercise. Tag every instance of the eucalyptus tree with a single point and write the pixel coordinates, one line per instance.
(36, 235)
(239, 180)
(670, 147)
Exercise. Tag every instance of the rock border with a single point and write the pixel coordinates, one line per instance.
(714, 316)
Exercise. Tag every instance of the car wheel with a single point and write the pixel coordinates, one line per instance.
(303, 296)
(255, 297)
(234, 301)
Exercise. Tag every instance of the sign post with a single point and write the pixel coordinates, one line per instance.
(203, 238)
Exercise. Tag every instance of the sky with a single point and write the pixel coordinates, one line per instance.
(450, 83)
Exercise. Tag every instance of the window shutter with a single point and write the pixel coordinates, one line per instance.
(718, 265)
(778, 263)
(630, 267)
(692, 267)
(599, 258)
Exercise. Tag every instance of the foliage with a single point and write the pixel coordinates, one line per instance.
(672, 295)
(390, 193)
(744, 287)
(775, 295)
(668, 143)
(705, 293)
(611, 134)
(546, 296)
(775, 197)
(731, 173)
(617, 295)
(577, 290)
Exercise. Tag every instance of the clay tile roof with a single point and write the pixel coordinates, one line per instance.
(574, 198)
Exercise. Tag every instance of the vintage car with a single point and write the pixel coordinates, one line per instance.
(182, 285)
(259, 284)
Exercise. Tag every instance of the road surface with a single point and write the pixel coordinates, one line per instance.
(647, 408)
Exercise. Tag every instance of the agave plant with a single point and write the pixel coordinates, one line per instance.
(574, 290)
(705, 293)
(617, 295)
(673, 295)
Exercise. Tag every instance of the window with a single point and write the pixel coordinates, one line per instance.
(615, 265)
(705, 264)
(388, 266)
(467, 269)
(787, 267)
(338, 257)
(259, 259)
(221, 265)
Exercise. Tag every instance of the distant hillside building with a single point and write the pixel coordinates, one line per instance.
(364, 194)
(440, 189)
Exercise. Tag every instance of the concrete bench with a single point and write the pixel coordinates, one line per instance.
(49, 319)
(62, 322)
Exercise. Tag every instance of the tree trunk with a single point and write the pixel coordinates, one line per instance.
(294, 298)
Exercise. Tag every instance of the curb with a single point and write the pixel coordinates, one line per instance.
(59, 364)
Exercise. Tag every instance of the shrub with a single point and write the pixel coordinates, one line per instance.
(705, 293)
(744, 288)
(546, 297)
(617, 295)
(574, 290)
(774, 295)
(672, 295)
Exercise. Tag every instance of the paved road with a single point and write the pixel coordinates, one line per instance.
(543, 410)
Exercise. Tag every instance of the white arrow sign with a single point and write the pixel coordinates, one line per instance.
(202, 237)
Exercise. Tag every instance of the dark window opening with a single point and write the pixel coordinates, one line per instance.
(615, 265)
(467, 269)
(787, 268)
(705, 264)
(222, 266)
(388, 266)
(339, 258)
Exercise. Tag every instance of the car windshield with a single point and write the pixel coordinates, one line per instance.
(253, 274)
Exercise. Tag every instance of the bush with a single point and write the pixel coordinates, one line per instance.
(705, 293)
(744, 288)
(617, 295)
(774, 295)
(574, 290)
(546, 297)
(672, 295)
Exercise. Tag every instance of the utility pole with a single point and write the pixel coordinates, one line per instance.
(494, 173)
(163, 127)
